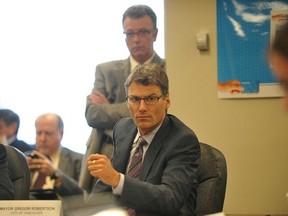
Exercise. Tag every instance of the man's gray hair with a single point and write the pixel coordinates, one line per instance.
(138, 11)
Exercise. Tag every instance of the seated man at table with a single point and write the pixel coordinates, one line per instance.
(156, 156)
(9, 126)
(53, 166)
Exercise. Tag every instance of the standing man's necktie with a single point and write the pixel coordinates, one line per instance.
(136, 165)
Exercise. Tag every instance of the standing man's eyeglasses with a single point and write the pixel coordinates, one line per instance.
(140, 33)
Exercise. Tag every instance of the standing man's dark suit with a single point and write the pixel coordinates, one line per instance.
(169, 168)
(6, 187)
(109, 80)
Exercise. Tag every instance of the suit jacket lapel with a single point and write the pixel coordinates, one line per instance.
(63, 160)
(154, 148)
(123, 73)
(123, 148)
(159, 61)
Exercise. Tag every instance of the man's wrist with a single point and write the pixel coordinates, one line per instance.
(117, 181)
(118, 190)
(57, 176)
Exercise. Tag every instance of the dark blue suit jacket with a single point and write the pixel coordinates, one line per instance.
(167, 183)
(21, 145)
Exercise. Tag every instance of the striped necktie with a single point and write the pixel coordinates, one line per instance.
(136, 161)
(136, 165)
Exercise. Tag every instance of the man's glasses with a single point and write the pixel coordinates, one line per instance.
(149, 100)
(140, 33)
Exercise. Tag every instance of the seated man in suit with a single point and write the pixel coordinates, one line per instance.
(9, 126)
(53, 165)
(6, 187)
(156, 156)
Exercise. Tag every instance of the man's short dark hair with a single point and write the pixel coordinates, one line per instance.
(138, 11)
(10, 117)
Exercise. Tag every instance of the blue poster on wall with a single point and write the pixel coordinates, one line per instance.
(243, 38)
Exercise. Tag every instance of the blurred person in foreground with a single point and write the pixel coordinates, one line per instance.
(9, 126)
(156, 156)
(279, 58)
(53, 166)
(107, 103)
(6, 186)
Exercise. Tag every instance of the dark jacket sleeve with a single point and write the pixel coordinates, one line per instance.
(6, 186)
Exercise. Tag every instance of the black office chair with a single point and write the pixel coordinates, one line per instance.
(212, 179)
(19, 173)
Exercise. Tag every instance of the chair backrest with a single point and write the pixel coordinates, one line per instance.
(212, 179)
(19, 173)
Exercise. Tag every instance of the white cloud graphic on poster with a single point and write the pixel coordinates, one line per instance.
(255, 14)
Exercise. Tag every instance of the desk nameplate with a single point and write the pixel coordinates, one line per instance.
(31, 207)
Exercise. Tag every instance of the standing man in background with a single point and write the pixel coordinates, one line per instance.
(53, 166)
(279, 58)
(107, 102)
(9, 126)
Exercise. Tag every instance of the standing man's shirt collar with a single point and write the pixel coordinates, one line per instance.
(134, 63)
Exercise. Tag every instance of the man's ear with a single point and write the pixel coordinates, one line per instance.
(155, 33)
(167, 101)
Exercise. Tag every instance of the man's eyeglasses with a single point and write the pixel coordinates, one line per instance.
(140, 33)
(149, 100)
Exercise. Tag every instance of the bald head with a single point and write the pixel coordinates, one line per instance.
(49, 132)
